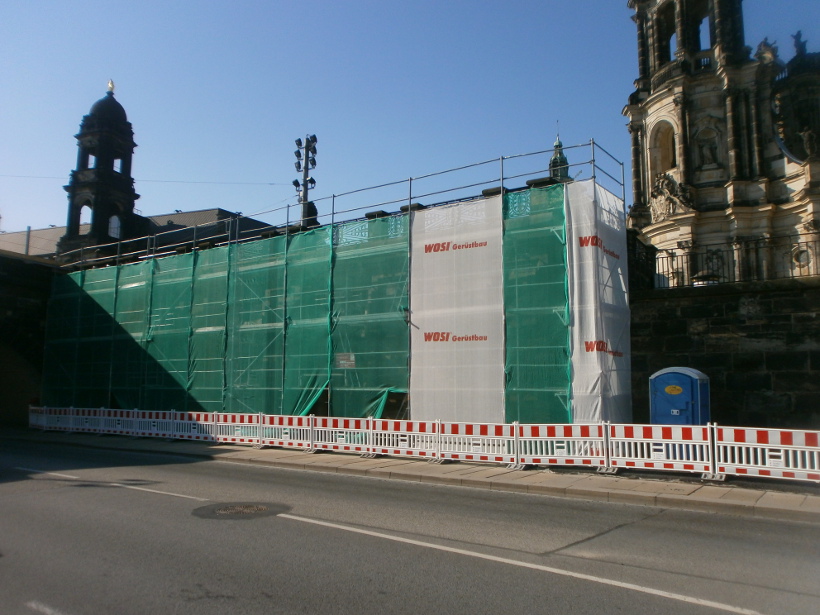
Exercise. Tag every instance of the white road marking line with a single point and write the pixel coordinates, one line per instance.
(42, 608)
(51, 473)
(503, 560)
(176, 495)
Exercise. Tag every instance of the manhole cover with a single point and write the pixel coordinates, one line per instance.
(239, 510)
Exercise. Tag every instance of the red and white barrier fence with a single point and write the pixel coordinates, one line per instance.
(566, 445)
(487, 442)
(349, 435)
(711, 450)
(193, 426)
(155, 424)
(404, 438)
(776, 453)
(661, 447)
(237, 428)
(287, 431)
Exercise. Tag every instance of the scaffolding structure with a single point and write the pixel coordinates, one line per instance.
(312, 322)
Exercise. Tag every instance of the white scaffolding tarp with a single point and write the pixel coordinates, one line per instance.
(599, 304)
(457, 313)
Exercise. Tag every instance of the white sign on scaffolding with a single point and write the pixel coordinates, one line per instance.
(457, 313)
(599, 304)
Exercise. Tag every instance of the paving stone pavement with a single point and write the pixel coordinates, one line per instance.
(759, 498)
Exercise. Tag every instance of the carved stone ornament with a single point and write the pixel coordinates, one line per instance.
(809, 141)
(799, 44)
(708, 155)
(812, 225)
(795, 104)
(669, 198)
(766, 51)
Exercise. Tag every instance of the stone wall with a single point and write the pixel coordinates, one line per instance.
(759, 343)
(25, 285)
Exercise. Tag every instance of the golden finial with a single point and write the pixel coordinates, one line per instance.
(110, 85)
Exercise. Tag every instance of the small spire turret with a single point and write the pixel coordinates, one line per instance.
(559, 165)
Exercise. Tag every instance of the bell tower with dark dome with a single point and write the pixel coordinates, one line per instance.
(102, 181)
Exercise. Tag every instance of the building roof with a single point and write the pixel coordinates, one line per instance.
(22, 258)
(43, 242)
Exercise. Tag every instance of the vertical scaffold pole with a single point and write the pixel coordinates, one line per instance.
(409, 312)
(285, 310)
(516, 444)
(594, 168)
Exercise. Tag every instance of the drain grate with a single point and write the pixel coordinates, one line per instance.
(241, 509)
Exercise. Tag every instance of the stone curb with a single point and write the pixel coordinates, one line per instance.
(713, 498)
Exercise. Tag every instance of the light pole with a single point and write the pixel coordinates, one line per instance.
(305, 162)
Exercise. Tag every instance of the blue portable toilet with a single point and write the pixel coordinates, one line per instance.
(679, 396)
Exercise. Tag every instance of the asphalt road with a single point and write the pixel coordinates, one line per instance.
(87, 531)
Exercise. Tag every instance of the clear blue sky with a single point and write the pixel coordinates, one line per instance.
(217, 91)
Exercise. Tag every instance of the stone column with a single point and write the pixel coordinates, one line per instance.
(683, 142)
(732, 136)
(719, 41)
(767, 260)
(680, 29)
(643, 51)
(757, 153)
(744, 269)
(652, 45)
(737, 255)
(742, 101)
(636, 131)
(686, 262)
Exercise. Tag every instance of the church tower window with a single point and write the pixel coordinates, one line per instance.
(667, 41)
(85, 214)
(705, 34)
(114, 227)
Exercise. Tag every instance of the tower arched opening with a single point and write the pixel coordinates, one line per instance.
(85, 213)
(663, 149)
(667, 40)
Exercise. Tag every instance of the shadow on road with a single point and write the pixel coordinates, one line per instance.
(25, 454)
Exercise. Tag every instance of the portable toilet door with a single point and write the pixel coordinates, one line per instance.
(679, 396)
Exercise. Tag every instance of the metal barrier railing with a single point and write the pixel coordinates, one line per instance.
(711, 450)
(461, 183)
(771, 258)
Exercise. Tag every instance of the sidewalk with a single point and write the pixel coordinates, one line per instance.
(802, 503)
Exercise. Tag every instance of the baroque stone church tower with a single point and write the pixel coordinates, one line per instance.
(725, 171)
(102, 181)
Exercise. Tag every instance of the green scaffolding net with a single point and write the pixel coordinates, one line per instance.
(254, 367)
(307, 318)
(536, 307)
(314, 322)
(239, 328)
(370, 336)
